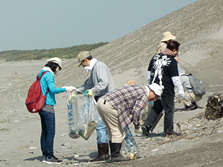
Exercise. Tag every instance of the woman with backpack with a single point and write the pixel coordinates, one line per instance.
(47, 114)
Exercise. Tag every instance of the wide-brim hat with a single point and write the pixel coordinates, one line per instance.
(156, 89)
(82, 55)
(167, 36)
(56, 60)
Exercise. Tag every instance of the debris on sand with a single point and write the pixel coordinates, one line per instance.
(214, 107)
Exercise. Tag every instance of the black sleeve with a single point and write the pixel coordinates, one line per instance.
(173, 68)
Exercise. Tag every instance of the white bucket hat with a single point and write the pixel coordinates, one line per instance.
(56, 60)
(156, 89)
(167, 36)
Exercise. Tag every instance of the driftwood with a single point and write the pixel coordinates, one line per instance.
(214, 107)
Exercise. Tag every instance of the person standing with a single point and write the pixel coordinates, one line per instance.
(98, 84)
(122, 106)
(163, 71)
(47, 114)
(167, 36)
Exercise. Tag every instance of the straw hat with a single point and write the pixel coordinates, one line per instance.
(167, 36)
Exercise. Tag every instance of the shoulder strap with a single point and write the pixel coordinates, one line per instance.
(38, 78)
(41, 75)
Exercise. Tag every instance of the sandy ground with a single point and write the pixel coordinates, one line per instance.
(20, 130)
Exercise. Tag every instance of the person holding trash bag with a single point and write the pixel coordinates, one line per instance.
(47, 114)
(98, 84)
(122, 106)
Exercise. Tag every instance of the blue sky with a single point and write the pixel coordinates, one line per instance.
(46, 24)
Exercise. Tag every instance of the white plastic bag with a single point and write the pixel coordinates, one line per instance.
(82, 115)
(73, 115)
(129, 147)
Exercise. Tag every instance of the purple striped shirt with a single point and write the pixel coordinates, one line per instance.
(129, 101)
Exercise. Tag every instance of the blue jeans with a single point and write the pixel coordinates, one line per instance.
(102, 134)
(48, 133)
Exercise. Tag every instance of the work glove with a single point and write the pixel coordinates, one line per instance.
(70, 88)
(88, 92)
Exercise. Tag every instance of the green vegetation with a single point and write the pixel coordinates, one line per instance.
(63, 53)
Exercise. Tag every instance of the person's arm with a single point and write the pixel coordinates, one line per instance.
(138, 107)
(51, 85)
(178, 85)
(103, 80)
(175, 77)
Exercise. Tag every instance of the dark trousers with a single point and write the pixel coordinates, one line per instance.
(166, 103)
(48, 133)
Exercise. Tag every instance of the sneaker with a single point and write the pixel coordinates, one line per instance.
(145, 130)
(53, 160)
(44, 159)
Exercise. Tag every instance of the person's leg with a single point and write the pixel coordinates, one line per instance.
(168, 106)
(184, 100)
(43, 133)
(110, 116)
(102, 141)
(153, 117)
(50, 128)
(102, 134)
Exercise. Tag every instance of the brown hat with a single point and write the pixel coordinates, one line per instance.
(83, 55)
(130, 82)
(167, 36)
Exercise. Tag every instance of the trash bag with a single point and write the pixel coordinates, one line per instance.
(73, 115)
(82, 115)
(129, 147)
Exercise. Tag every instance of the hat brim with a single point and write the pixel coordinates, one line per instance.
(168, 38)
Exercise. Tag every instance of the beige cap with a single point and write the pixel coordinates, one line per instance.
(130, 82)
(83, 55)
(156, 89)
(167, 36)
(56, 60)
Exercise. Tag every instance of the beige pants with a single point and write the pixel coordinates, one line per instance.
(110, 117)
(189, 97)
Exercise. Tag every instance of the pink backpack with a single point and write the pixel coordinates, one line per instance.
(35, 99)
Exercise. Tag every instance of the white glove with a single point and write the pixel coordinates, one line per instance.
(70, 88)
(181, 93)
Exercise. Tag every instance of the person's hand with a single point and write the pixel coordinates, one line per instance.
(88, 92)
(181, 93)
(70, 88)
